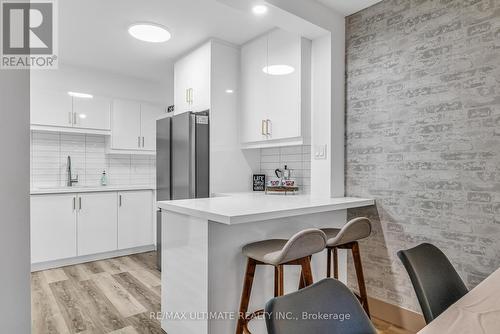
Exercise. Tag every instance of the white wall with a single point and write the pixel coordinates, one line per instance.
(73, 78)
(321, 115)
(15, 304)
(337, 124)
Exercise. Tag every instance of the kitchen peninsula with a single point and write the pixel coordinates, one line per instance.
(202, 263)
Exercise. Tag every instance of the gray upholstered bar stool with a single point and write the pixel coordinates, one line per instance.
(347, 238)
(278, 253)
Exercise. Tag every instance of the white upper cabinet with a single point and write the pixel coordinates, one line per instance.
(133, 126)
(60, 111)
(284, 91)
(149, 115)
(192, 81)
(92, 113)
(254, 91)
(276, 82)
(51, 108)
(126, 125)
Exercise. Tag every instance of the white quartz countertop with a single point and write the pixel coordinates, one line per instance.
(84, 189)
(251, 207)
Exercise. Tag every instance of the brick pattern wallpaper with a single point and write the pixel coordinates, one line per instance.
(423, 135)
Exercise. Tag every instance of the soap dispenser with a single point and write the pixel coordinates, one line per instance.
(104, 179)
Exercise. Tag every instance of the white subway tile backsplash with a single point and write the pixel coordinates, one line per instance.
(49, 152)
(297, 158)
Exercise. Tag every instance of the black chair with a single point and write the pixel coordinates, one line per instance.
(299, 312)
(434, 279)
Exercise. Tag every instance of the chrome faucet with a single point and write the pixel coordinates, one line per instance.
(71, 180)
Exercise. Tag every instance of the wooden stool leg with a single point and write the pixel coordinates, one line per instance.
(281, 281)
(276, 281)
(329, 262)
(306, 271)
(245, 294)
(335, 264)
(359, 274)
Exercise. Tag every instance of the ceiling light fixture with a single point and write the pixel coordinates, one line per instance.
(260, 9)
(81, 95)
(149, 32)
(278, 69)
(229, 91)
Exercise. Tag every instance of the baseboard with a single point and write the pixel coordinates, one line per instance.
(396, 315)
(90, 258)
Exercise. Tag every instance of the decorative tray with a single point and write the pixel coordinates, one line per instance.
(282, 190)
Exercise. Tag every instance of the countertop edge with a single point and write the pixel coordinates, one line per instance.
(88, 190)
(240, 219)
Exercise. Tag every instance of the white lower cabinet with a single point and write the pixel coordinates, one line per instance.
(53, 227)
(65, 226)
(97, 217)
(135, 219)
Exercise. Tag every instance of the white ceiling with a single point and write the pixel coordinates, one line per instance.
(93, 33)
(348, 7)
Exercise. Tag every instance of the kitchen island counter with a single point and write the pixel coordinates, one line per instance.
(202, 262)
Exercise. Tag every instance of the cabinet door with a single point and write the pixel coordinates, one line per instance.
(126, 125)
(199, 73)
(92, 113)
(254, 90)
(149, 115)
(97, 223)
(135, 219)
(53, 227)
(284, 91)
(51, 108)
(181, 85)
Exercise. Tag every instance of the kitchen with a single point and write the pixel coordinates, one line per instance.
(171, 155)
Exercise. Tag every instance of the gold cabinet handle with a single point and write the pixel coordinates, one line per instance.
(269, 127)
(263, 127)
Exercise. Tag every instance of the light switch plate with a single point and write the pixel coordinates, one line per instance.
(319, 152)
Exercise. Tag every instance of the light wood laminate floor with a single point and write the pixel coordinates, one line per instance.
(109, 296)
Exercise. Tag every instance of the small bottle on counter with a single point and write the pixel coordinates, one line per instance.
(104, 179)
(287, 174)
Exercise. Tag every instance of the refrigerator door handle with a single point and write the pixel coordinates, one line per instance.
(192, 160)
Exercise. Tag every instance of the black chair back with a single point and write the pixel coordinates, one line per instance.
(326, 307)
(436, 283)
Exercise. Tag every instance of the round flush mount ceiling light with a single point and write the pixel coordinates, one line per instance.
(149, 32)
(259, 9)
(278, 69)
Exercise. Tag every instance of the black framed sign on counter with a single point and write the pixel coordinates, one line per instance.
(259, 182)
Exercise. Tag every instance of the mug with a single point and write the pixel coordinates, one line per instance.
(274, 183)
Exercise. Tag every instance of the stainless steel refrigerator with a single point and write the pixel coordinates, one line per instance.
(182, 161)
